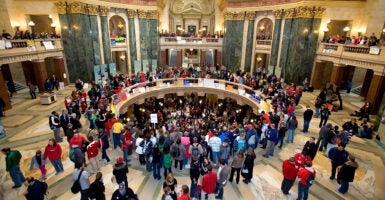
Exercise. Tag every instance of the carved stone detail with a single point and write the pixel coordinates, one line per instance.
(278, 14)
(92, 9)
(234, 15)
(250, 15)
(103, 10)
(77, 7)
(148, 14)
(61, 7)
(131, 13)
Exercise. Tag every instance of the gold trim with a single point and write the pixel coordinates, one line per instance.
(318, 11)
(290, 13)
(278, 14)
(77, 7)
(250, 15)
(148, 14)
(61, 7)
(103, 10)
(131, 13)
(234, 15)
(304, 12)
(92, 9)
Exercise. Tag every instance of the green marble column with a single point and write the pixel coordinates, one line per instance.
(298, 46)
(148, 39)
(249, 45)
(94, 36)
(131, 37)
(68, 43)
(105, 39)
(232, 44)
(275, 43)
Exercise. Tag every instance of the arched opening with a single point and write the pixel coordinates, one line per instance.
(117, 27)
(265, 29)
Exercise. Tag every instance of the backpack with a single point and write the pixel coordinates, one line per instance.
(175, 151)
(72, 155)
(310, 180)
(251, 140)
(44, 188)
(91, 190)
(195, 151)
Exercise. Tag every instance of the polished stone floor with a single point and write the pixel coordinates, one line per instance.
(27, 127)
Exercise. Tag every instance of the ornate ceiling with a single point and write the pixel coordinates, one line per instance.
(192, 6)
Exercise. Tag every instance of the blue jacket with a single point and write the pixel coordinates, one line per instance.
(272, 135)
(338, 157)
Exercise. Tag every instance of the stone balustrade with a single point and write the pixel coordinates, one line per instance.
(355, 55)
(38, 49)
(188, 42)
(263, 46)
(137, 93)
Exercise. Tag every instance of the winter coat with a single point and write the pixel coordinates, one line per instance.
(289, 170)
(52, 152)
(12, 159)
(303, 175)
(347, 171)
(120, 172)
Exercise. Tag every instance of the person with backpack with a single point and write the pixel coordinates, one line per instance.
(178, 153)
(76, 155)
(104, 145)
(120, 171)
(195, 149)
(82, 176)
(38, 161)
(139, 149)
(147, 146)
(305, 178)
(54, 124)
(12, 162)
(35, 190)
(97, 189)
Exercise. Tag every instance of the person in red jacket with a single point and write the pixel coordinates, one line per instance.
(184, 193)
(289, 171)
(209, 182)
(77, 139)
(92, 154)
(306, 178)
(53, 152)
(301, 158)
(126, 144)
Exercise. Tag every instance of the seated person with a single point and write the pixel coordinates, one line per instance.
(367, 132)
(364, 112)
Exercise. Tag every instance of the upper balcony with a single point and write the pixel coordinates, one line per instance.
(12, 51)
(190, 42)
(355, 55)
(263, 46)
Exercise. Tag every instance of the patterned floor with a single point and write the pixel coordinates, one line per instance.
(27, 127)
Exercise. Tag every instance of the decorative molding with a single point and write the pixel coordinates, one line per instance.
(131, 13)
(318, 11)
(103, 10)
(304, 12)
(92, 9)
(20, 57)
(278, 14)
(234, 15)
(77, 8)
(148, 14)
(289, 13)
(61, 7)
(250, 15)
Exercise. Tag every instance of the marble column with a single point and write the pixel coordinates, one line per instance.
(131, 37)
(203, 58)
(7, 75)
(366, 83)
(28, 72)
(337, 76)
(218, 56)
(276, 38)
(105, 35)
(299, 46)
(376, 92)
(233, 39)
(40, 74)
(148, 27)
(4, 92)
(318, 72)
(59, 66)
(179, 58)
(249, 41)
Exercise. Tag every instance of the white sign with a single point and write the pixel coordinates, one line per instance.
(48, 45)
(61, 85)
(154, 118)
(2, 44)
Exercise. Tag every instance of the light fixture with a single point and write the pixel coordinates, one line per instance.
(120, 25)
(328, 22)
(262, 28)
(31, 23)
(123, 57)
(53, 24)
(259, 59)
(346, 29)
(50, 16)
(383, 30)
(326, 29)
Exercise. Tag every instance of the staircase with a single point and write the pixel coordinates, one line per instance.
(356, 90)
(19, 86)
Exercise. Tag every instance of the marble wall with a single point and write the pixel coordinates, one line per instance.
(298, 48)
(233, 44)
(105, 39)
(275, 43)
(249, 46)
(149, 42)
(131, 37)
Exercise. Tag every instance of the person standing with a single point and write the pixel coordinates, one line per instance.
(215, 144)
(184, 193)
(38, 161)
(92, 154)
(98, 188)
(12, 161)
(178, 153)
(323, 135)
(224, 152)
(311, 147)
(64, 119)
(126, 144)
(120, 171)
(306, 178)
(54, 124)
(325, 112)
(53, 151)
(222, 176)
(289, 171)
(117, 129)
(249, 165)
(346, 174)
(291, 126)
(349, 86)
(338, 156)
(170, 181)
(281, 134)
(209, 182)
(236, 165)
(167, 161)
(156, 164)
(32, 90)
(83, 176)
(307, 116)
(34, 189)
(272, 136)
(104, 145)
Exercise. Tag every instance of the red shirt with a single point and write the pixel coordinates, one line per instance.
(52, 152)
(126, 140)
(92, 149)
(304, 174)
(77, 140)
(300, 160)
(208, 182)
(289, 170)
(184, 197)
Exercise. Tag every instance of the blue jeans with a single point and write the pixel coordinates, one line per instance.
(215, 157)
(302, 191)
(125, 155)
(286, 185)
(219, 190)
(104, 155)
(306, 124)
(280, 141)
(16, 175)
(57, 165)
(317, 112)
(344, 187)
(156, 170)
(290, 135)
(116, 137)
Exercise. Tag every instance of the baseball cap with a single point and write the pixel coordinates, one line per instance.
(119, 160)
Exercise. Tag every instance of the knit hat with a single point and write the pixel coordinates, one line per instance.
(119, 160)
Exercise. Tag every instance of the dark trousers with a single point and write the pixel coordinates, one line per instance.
(84, 194)
(323, 121)
(104, 155)
(334, 169)
(166, 171)
(180, 164)
(286, 185)
(142, 160)
(344, 187)
(232, 174)
(219, 190)
(33, 94)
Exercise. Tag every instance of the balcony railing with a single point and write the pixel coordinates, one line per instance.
(263, 46)
(190, 41)
(264, 42)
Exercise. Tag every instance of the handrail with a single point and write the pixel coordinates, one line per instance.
(24, 43)
(263, 42)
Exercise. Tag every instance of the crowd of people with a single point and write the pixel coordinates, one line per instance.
(201, 134)
(372, 40)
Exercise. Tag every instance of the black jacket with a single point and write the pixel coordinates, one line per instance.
(308, 114)
(120, 172)
(347, 171)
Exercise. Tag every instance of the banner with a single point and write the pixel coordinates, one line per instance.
(146, 66)
(112, 67)
(137, 66)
